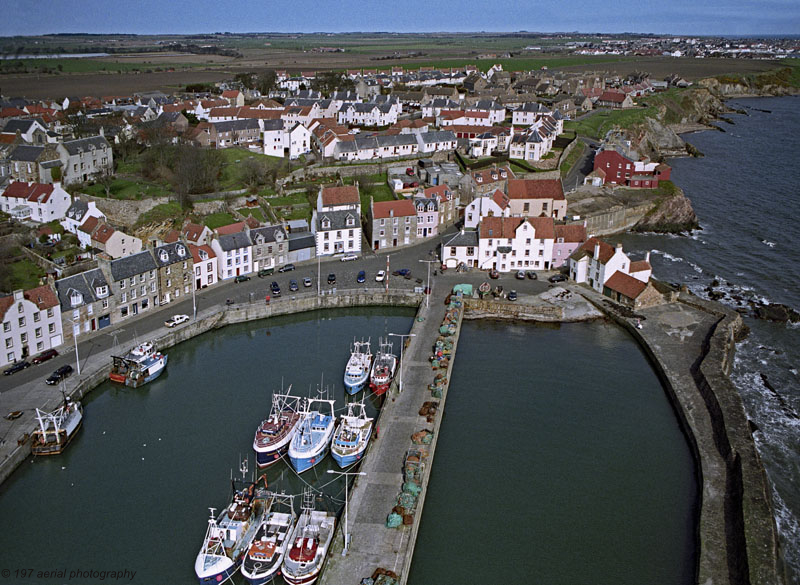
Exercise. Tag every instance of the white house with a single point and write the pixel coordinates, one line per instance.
(337, 221)
(234, 254)
(529, 113)
(272, 137)
(205, 266)
(489, 205)
(436, 141)
(596, 261)
(42, 202)
(76, 214)
(31, 323)
(297, 141)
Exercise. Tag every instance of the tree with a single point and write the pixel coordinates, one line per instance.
(253, 172)
(196, 170)
(246, 79)
(267, 81)
(106, 180)
(191, 116)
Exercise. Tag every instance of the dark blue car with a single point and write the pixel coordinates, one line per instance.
(362, 277)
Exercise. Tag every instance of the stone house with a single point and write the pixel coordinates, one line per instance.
(234, 254)
(392, 224)
(175, 271)
(537, 198)
(270, 247)
(85, 158)
(134, 284)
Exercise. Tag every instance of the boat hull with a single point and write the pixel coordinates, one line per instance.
(220, 576)
(305, 580)
(265, 576)
(379, 388)
(265, 459)
(306, 462)
(355, 386)
(50, 448)
(348, 460)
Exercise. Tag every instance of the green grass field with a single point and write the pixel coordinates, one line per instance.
(598, 124)
(88, 65)
(163, 212)
(128, 189)
(216, 220)
(22, 274)
(254, 212)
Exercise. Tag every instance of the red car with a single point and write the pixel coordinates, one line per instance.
(47, 354)
(494, 274)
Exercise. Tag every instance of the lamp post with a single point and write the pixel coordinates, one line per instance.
(319, 269)
(346, 502)
(402, 338)
(194, 303)
(386, 280)
(428, 288)
(75, 336)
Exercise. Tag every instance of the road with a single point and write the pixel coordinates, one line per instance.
(582, 167)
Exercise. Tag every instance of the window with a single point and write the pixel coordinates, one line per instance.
(169, 282)
(143, 290)
(6, 326)
(121, 285)
(124, 298)
(152, 274)
(152, 287)
(123, 312)
(141, 277)
(133, 281)
(133, 295)
(185, 264)
(37, 317)
(39, 346)
(49, 312)
(38, 332)
(105, 303)
(22, 321)
(168, 269)
(23, 338)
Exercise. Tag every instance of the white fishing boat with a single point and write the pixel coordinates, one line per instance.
(356, 373)
(309, 544)
(266, 551)
(275, 432)
(56, 429)
(383, 369)
(351, 438)
(139, 366)
(312, 440)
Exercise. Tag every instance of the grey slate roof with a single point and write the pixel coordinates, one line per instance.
(230, 242)
(231, 125)
(132, 265)
(26, 153)
(301, 241)
(85, 144)
(380, 141)
(272, 125)
(437, 136)
(77, 210)
(268, 233)
(465, 238)
(338, 220)
(22, 125)
(171, 254)
(85, 283)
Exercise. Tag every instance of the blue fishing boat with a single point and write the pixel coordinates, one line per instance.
(352, 436)
(356, 373)
(312, 440)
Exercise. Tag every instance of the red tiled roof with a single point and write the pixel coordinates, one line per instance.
(192, 231)
(606, 250)
(172, 236)
(43, 297)
(438, 192)
(346, 195)
(501, 199)
(536, 189)
(231, 228)
(252, 222)
(7, 138)
(486, 175)
(499, 227)
(640, 266)
(544, 226)
(103, 233)
(574, 233)
(402, 208)
(33, 192)
(11, 112)
(89, 225)
(613, 96)
(231, 93)
(625, 285)
(195, 251)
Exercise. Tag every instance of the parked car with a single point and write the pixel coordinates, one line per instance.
(494, 274)
(331, 278)
(362, 277)
(266, 272)
(557, 278)
(348, 257)
(293, 286)
(512, 295)
(532, 275)
(47, 354)
(381, 276)
(286, 268)
(241, 278)
(276, 290)
(520, 275)
(176, 320)
(16, 367)
(58, 375)
(402, 272)
(307, 282)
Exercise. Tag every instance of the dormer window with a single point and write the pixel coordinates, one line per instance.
(479, 179)
(350, 220)
(75, 298)
(163, 256)
(181, 251)
(101, 291)
(326, 223)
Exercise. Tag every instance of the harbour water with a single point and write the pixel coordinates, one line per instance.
(745, 195)
(133, 490)
(560, 461)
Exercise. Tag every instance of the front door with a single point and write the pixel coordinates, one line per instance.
(134, 310)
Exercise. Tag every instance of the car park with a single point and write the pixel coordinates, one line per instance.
(286, 268)
(557, 278)
(402, 272)
(176, 320)
(331, 278)
(47, 354)
(512, 295)
(293, 286)
(241, 278)
(266, 272)
(307, 282)
(275, 288)
(348, 257)
(520, 275)
(362, 277)
(58, 375)
(381, 276)
(16, 367)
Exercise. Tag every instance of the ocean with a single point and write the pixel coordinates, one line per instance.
(745, 195)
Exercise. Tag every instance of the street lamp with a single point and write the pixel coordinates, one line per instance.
(346, 502)
(75, 336)
(428, 288)
(402, 338)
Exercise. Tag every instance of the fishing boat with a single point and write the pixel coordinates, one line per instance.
(383, 369)
(229, 534)
(356, 373)
(310, 541)
(139, 366)
(312, 440)
(351, 437)
(57, 428)
(275, 432)
(264, 556)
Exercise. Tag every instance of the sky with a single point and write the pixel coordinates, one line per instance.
(680, 17)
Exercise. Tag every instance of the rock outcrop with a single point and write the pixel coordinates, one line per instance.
(672, 214)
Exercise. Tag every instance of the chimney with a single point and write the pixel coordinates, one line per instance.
(597, 250)
(647, 257)
(619, 247)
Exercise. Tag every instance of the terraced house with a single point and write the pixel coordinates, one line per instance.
(85, 303)
(31, 323)
(270, 247)
(134, 283)
(85, 158)
(175, 271)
